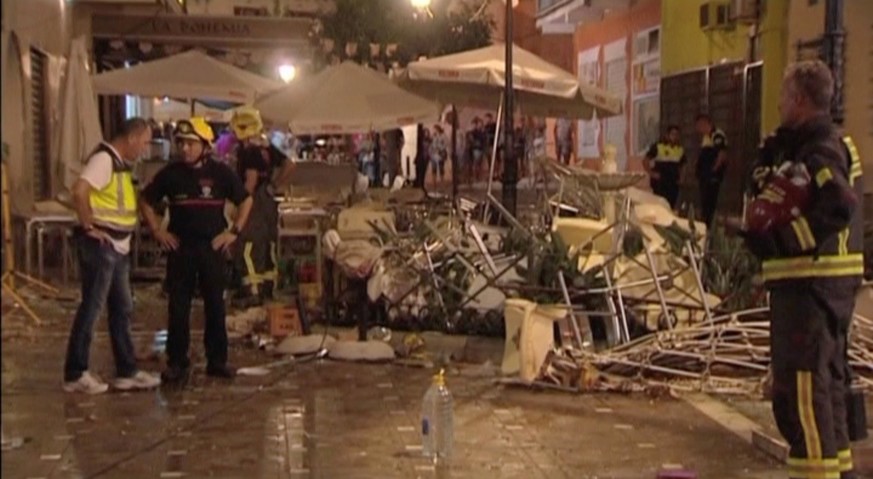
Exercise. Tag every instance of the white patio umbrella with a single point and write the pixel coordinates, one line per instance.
(80, 129)
(345, 99)
(191, 74)
(475, 78)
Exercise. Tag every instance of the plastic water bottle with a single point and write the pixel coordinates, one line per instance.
(160, 343)
(436, 420)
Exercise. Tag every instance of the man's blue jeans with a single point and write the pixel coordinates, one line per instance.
(105, 278)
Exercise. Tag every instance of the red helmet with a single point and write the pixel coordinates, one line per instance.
(782, 200)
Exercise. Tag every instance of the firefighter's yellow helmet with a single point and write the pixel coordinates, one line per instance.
(246, 122)
(194, 129)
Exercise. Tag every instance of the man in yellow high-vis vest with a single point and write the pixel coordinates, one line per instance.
(663, 163)
(105, 202)
(812, 263)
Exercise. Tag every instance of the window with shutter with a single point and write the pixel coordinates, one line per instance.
(39, 127)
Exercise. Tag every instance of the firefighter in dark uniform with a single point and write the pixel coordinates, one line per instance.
(255, 258)
(197, 238)
(663, 163)
(812, 263)
(711, 165)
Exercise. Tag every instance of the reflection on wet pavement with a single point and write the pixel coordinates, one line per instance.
(327, 419)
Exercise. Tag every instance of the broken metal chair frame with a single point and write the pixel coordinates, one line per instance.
(613, 292)
(11, 274)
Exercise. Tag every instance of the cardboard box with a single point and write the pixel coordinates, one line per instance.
(284, 320)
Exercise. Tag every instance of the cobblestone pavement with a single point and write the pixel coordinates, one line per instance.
(326, 419)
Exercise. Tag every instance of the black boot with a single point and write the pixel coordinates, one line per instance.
(175, 375)
(222, 371)
(244, 299)
(267, 292)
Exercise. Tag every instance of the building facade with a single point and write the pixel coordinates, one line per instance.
(669, 67)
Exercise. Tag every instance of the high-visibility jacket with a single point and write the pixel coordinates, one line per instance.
(667, 153)
(114, 206)
(826, 239)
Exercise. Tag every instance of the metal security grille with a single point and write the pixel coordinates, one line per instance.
(39, 127)
(731, 94)
(683, 96)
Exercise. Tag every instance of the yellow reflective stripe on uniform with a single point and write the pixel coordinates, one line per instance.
(813, 468)
(823, 176)
(803, 233)
(845, 459)
(274, 255)
(772, 195)
(114, 206)
(807, 417)
(811, 267)
(251, 277)
(856, 169)
(669, 153)
(843, 242)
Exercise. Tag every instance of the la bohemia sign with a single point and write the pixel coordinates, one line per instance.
(203, 29)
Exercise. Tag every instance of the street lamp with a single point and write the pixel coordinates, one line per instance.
(287, 72)
(510, 162)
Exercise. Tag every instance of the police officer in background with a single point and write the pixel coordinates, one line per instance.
(197, 239)
(812, 264)
(663, 163)
(711, 165)
(255, 258)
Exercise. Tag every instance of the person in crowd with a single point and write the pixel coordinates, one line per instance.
(439, 151)
(564, 140)
(711, 165)
(664, 162)
(392, 151)
(367, 157)
(475, 141)
(422, 156)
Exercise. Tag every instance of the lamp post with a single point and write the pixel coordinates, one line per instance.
(510, 162)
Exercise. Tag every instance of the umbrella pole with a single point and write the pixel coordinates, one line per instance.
(192, 107)
(454, 156)
(497, 132)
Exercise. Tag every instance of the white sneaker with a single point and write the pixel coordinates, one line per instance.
(140, 380)
(88, 384)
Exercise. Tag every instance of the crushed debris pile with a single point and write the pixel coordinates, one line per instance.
(731, 355)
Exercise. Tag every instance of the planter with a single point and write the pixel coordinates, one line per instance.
(529, 337)
(516, 312)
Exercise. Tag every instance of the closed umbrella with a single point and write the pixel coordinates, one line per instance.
(80, 129)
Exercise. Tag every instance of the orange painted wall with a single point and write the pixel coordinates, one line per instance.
(556, 49)
(625, 24)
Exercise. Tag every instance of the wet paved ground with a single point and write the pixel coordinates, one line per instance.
(335, 420)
